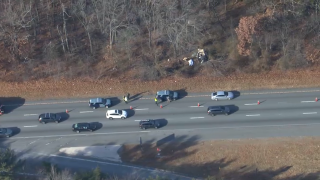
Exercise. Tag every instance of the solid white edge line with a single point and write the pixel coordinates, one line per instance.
(308, 101)
(196, 117)
(310, 113)
(196, 106)
(141, 109)
(250, 104)
(31, 126)
(253, 115)
(86, 111)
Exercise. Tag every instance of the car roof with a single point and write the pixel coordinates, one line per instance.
(220, 92)
(215, 107)
(82, 124)
(96, 100)
(112, 111)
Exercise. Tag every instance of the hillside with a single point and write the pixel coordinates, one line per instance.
(147, 40)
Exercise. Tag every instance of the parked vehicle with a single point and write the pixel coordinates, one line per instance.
(5, 132)
(49, 117)
(149, 123)
(222, 95)
(116, 114)
(215, 110)
(100, 102)
(79, 127)
(167, 95)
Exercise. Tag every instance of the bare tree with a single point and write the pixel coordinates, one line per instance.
(56, 175)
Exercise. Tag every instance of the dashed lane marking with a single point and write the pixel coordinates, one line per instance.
(141, 109)
(251, 104)
(310, 113)
(196, 106)
(308, 101)
(31, 126)
(30, 115)
(253, 115)
(86, 111)
(47, 144)
(196, 117)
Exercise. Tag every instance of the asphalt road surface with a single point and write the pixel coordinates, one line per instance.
(280, 113)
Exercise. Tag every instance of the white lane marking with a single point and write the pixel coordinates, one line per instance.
(30, 114)
(86, 111)
(196, 117)
(32, 142)
(31, 126)
(196, 106)
(70, 135)
(310, 113)
(109, 163)
(47, 144)
(253, 115)
(250, 104)
(137, 120)
(308, 101)
(141, 109)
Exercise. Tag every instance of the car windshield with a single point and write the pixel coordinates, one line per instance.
(120, 111)
(170, 93)
(3, 130)
(214, 93)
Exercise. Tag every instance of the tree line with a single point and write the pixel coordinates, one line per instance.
(103, 38)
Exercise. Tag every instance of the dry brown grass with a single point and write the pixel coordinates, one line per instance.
(45, 89)
(277, 158)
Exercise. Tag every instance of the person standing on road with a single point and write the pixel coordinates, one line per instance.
(156, 100)
(126, 99)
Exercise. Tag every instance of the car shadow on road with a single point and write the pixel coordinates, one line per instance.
(11, 103)
(98, 125)
(130, 112)
(114, 101)
(233, 108)
(162, 122)
(182, 93)
(236, 94)
(15, 130)
(136, 96)
(64, 116)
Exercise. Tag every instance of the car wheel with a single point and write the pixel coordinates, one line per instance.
(144, 128)
(110, 118)
(93, 107)
(212, 114)
(229, 98)
(8, 136)
(78, 131)
(107, 107)
(226, 114)
(156, 127)
(43, 122)
(90, 130)
(216, 99)
(57, 121)
(122, 117)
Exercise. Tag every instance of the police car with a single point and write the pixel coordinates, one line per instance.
(148, 123)
(100, 102)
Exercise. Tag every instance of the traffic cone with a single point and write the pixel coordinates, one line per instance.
(316, 99)
(161, 106)
(198, 104)
(131, 107)
(258, 102)
(67, 111)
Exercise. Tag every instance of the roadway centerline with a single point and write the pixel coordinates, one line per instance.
(86, 111)
(253, 115)
(31, 126)
(310, 113)
(196, 117)
(30, 114)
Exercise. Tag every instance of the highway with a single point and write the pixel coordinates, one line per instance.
(281, 113)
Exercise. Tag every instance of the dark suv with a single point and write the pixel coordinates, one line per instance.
(49, 117)
(167, 95)
(99, 102)
(83, 127)
(214, 110)
(149, 123)
(1, 109)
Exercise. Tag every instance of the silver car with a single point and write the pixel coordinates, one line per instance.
(222, 95)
